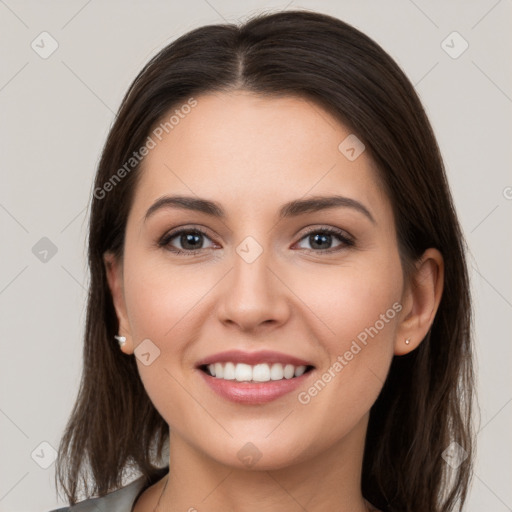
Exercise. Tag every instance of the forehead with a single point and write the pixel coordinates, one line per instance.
(253, 151)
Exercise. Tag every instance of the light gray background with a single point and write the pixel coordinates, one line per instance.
(55, 114)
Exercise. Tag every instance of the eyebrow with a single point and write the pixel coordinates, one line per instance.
(290, 209)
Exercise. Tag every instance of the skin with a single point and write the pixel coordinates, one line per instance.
(252, 154)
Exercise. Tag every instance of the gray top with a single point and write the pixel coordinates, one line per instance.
(121, 500)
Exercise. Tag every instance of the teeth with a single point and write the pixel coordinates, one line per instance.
(259, 373)
(243, 372)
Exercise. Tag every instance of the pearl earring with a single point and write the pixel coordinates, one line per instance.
(121, 340)
(407, 341)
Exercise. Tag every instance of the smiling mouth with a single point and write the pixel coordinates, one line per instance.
(263, 372)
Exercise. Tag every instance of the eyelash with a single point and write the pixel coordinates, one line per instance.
(346, 241)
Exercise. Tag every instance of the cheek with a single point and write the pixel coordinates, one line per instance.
(159, 298)
(160, 303)
(351, 298)
(359, 306)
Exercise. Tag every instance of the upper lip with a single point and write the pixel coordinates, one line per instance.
(252, 358)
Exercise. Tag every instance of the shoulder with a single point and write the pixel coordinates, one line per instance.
(121, 500)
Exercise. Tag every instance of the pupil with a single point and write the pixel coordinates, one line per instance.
(316, 238)
(190, 239)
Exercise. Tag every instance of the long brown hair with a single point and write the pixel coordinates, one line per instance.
(426, 402)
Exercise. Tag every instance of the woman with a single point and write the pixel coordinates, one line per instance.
(274, 246)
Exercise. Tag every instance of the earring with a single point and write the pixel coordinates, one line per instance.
(407, 341)
(121, 340)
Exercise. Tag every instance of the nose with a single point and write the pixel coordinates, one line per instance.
(254, 296)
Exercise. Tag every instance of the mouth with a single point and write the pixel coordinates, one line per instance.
(254, 377)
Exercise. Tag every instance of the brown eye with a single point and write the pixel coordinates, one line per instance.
(321, 240)
(189, 241)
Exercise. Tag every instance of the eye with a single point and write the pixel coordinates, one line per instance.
(319, 238)
(190, 241)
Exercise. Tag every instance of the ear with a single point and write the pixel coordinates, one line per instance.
(114, 271)
(420, 301)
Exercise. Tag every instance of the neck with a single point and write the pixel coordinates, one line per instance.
(330, 480)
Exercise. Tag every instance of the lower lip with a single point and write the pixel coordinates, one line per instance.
(253, 392)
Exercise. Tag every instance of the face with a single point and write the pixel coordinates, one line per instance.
(320, 287)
